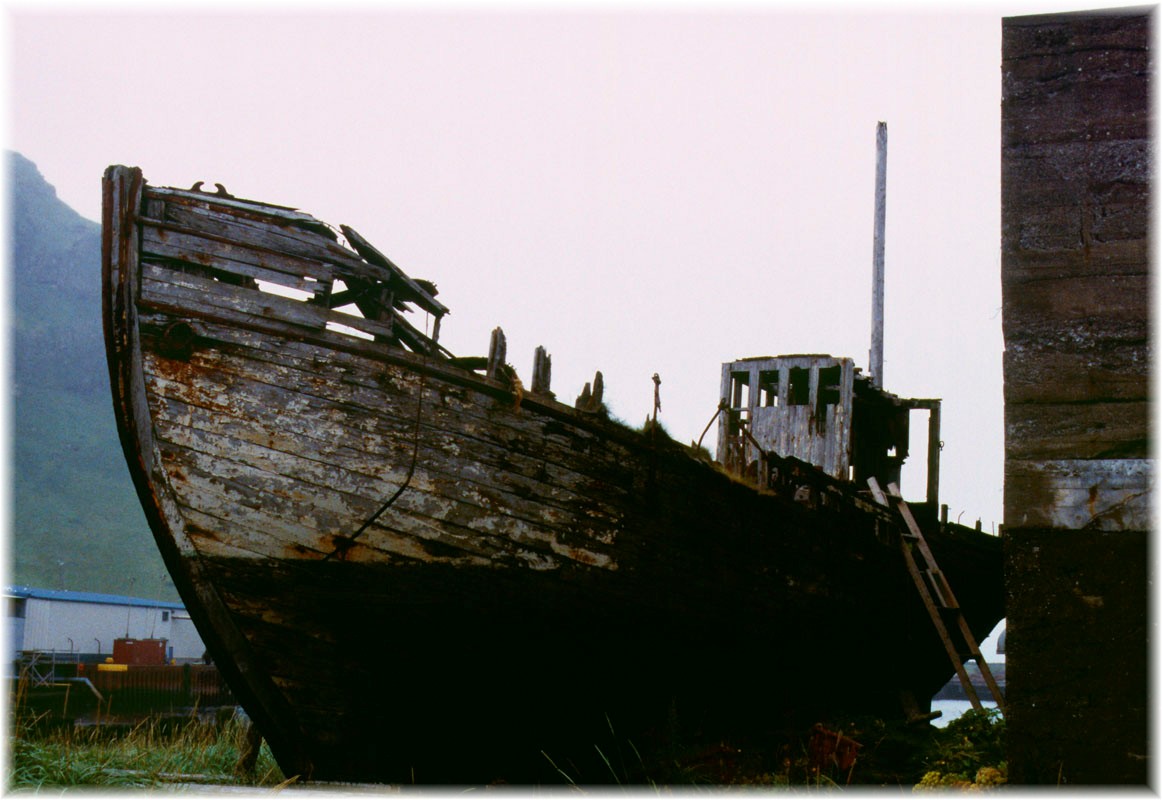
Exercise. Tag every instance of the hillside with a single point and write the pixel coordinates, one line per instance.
(75, 519)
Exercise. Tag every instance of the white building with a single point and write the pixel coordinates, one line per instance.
(80, 626)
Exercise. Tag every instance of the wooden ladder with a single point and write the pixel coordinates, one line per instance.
(938, 597)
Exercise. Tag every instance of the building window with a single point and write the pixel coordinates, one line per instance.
(17, 607)
(165, 616)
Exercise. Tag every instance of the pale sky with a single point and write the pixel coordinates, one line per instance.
(640, 189)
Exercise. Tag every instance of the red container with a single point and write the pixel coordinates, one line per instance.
(139, 652)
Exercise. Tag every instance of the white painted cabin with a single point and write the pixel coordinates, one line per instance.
(820, 410)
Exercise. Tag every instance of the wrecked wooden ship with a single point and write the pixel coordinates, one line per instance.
(412, 566)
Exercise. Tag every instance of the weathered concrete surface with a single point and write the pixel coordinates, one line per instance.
(1078, 660)
(1076, 179)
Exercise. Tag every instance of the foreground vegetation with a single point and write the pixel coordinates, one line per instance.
(967, 754)
(147, 755)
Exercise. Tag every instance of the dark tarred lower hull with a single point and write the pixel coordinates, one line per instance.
(440, 675)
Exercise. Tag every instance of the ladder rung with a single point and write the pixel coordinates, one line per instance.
(940, 592)
(937, 596)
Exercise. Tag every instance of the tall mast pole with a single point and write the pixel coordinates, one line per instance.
(876, 357)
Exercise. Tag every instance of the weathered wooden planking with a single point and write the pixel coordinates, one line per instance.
(460, 506)
(270, 337)
(176, 292)
(122, 190)
(220, 434)
(360, 393)
(254, 228)
(270, 534)
(286, 214)
(344, 416)
(488, 497)
(226, 256)
(256, 231)
(430, 525)
(337, 508)
(784, 426)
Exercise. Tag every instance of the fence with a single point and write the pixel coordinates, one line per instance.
(117, 690)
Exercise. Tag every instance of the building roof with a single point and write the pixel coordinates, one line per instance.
(87, 597)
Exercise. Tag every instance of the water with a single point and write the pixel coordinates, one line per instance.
(953, 709)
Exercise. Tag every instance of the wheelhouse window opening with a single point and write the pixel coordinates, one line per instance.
(738, 419)
(769, 388)
(830, 379)
(827, 393)
(798, 386)
(739, 402)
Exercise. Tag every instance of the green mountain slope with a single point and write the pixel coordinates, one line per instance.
(75, 519)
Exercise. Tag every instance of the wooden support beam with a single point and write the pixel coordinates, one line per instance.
(542, 371)
(934, 455)
(590, 397)
(497, 354)
(415, 291)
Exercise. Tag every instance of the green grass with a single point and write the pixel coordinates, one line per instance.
(148, 755)
(968, 753)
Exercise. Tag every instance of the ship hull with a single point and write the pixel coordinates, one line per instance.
(410, 571)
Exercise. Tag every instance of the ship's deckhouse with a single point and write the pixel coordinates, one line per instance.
(821, 410)
(797, 406)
